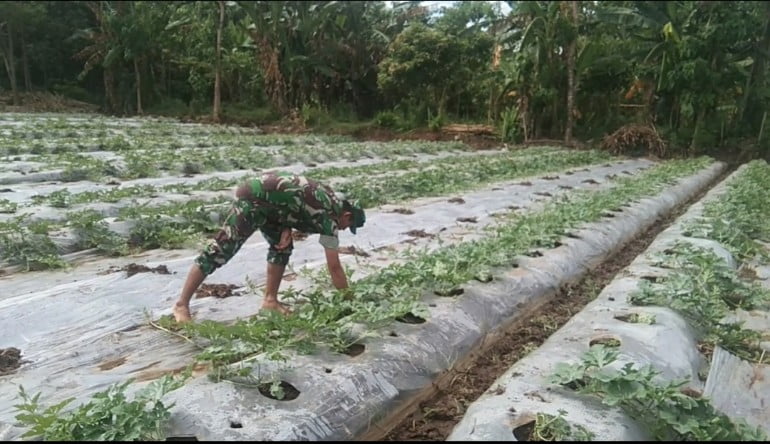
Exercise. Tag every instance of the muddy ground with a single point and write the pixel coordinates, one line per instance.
(436, 418)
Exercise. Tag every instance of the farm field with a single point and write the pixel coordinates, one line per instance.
(100, 219)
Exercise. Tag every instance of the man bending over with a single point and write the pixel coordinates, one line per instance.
(275, 204)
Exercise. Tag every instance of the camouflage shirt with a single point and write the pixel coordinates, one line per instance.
(296, 202)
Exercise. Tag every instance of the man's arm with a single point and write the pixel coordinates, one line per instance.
(336, 271)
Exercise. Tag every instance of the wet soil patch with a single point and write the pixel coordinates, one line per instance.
(219, 291)
(10, 360)
(401, 211)
(419, 233)
(436, 416)
(353, 250)
(457, 200)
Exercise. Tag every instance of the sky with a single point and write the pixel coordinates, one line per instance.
(503, 5)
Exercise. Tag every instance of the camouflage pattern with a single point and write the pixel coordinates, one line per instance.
(269, 204)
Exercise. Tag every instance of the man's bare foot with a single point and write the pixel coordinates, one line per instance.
(275, 305)
(182, 313)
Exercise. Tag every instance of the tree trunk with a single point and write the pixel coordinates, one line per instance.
(10, 64)
(109, 90)
(138, 75)
(757, 75)
(25, 64)
(571, 74)
(218, 74)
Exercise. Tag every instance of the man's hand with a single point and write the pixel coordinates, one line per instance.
(285, 239)
(336, 271)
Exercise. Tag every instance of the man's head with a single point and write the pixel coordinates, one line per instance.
(353, 215)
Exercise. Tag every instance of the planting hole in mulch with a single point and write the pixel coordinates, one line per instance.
(289, 391)
(472, 220)
(312, 164)
(327, 370)
(353, 250)
(410, 318)
(354, 350)
(235, 424)
(525, 431)
(550, 177)
(565, 187)
(627, 172)
(496, 189)
(10, 360)
(543, 193)
(418, 233)
(457, 200)
(526, 184)
(6, 190)
(608, 215)
(534, 254)
(393, 334)
(607, 164)
(653, 279)
(573, 236)
(298, 235)
(607, 341)
(591, 181)
(569, 173)
(456, 291)
(401, 211)
(611, 176)
(219, 291)
(513, 207)
(636, 318)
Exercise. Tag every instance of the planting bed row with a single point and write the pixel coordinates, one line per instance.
(338, 395)
(177, 217)
(675, 348)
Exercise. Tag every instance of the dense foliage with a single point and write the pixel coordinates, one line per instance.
(695, 72)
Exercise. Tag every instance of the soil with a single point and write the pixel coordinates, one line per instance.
(457, 200)
(419, 233)
(220, 291)
(436, 417)
(10, 360)
(401, 211)
(353, 250)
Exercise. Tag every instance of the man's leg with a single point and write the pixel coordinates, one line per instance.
(276, 265)
(238, 226)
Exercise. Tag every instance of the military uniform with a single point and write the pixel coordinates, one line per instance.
(272, 203)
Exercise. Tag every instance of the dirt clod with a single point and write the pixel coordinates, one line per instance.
(132, 269)
(10, 360)
(419, 233)
(457, 200)
(220, 291)
(401, 211)
(353, 250)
